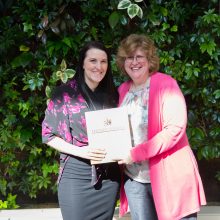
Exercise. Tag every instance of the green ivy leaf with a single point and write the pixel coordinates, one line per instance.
(133, 10)
(94, 32)
(140, 13)
(70, 73)
(124, 20)
(43, 182)
(67, 41)
(27, 27)
(124, 4)
(164, 11)
(12, 201)
(36, 151)
(165, 26)
(3, 186)
(48, 91)
(210, 17)
(63, 65)
(64, 78)
(174, 28)
(3, 204)
(113, 19)
(26, 135)
(217, 93)
(22, 60)
(208, 46)
(24, 48)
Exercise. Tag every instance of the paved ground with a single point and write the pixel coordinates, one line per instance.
(207, 213)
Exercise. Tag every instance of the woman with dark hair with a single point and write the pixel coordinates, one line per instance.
(85, 191)
(106, 87)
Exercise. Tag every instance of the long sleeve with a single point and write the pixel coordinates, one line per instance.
(171, 122)
(56, 123)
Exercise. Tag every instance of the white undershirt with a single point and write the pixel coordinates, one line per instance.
(136, 101)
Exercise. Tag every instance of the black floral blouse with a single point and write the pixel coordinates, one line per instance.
(65, 116)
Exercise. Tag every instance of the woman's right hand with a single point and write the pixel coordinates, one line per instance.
(86, 152)
(91, 153)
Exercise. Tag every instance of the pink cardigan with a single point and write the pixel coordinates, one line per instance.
(176, 183)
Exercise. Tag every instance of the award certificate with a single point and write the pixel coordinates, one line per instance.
(109, 129)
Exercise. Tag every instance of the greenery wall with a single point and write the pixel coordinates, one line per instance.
(39, 44)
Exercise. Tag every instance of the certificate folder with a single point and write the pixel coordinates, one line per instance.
(109, 129)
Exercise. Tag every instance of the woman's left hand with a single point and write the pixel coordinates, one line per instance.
(126, 159)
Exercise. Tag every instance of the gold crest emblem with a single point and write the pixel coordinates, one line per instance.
(107, 122)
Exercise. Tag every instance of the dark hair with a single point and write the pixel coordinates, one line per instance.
(106, 86)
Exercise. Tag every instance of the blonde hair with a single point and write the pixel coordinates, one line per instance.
(137, 41)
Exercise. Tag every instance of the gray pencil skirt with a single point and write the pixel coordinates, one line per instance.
(79, 199)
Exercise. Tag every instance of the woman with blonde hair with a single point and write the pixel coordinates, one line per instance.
(161, 178)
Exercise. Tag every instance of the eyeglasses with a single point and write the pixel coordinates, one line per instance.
(138, 59)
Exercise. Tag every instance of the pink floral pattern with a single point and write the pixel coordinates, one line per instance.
(65, 116)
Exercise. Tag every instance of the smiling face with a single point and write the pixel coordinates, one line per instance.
(95, 66)
(137, 67)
